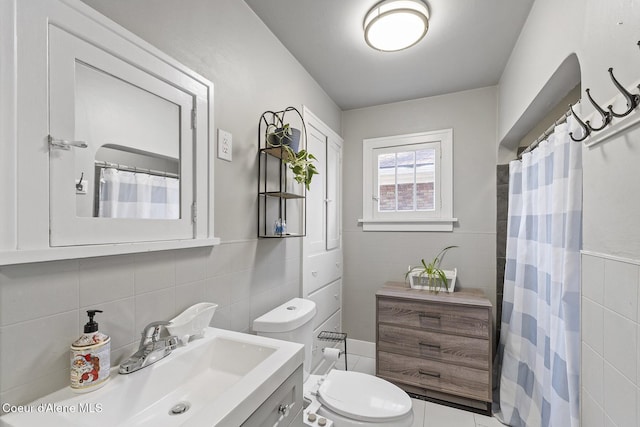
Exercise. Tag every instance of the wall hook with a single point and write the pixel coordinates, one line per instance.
(586, 131)
(606, 115)
(632, 99)
(79, 185)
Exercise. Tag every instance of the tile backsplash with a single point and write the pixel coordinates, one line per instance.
(610, 377)
(43, 305)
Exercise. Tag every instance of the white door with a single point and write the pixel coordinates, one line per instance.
(333, 194)
(322, 251)
(316, 211)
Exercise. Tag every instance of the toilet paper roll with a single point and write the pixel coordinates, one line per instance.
(331, 354)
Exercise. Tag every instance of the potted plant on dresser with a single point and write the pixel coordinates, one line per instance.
(429, 276)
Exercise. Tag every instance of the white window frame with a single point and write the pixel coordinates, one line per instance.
(440, 219)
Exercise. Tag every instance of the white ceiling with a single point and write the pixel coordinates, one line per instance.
(467, 46)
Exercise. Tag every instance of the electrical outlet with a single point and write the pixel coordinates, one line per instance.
(225, 145)
(81, 186)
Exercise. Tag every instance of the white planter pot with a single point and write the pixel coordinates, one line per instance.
(422, 282)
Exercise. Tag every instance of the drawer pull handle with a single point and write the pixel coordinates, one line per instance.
(430, 316)
(284, 409)
(429, 374)
(426, 344)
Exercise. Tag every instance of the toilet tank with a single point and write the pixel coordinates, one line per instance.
(292, 321)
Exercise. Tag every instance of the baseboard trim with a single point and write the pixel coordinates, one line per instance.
(361, 348)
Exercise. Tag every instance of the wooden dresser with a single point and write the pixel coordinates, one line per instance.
(436, 345)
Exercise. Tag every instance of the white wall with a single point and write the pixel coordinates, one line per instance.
(602, 35)
(42, 305)
(252, 72)
(372, 258)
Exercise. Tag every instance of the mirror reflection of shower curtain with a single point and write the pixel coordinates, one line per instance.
(125, 194)
(539, 350)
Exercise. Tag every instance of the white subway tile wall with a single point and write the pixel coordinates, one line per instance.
(42, 305)
(610, 377)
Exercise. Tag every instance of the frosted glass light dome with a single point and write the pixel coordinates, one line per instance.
(396, 24)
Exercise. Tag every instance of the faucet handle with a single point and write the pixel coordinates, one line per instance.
(151, 332)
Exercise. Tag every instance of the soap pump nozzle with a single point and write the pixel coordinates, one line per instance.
(91, 325)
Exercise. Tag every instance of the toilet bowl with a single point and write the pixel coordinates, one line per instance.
(346, 398)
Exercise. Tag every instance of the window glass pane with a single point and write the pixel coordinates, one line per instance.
(425, 179)
(387, 182)
(406, 180)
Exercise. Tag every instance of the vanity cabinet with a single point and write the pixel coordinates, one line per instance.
(436, 345)
(75, 84)
(283, 407)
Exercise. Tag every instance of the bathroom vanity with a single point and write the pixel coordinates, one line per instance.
(436, 345)
(225, 379)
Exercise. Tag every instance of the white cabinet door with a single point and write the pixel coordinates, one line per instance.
(316, 213)
(322, 252)
(107, 100)
(333, 194)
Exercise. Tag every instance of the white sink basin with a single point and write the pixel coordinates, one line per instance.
(222, 378)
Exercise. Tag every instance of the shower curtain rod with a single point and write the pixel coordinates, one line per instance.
(546, 133)
(103, 164)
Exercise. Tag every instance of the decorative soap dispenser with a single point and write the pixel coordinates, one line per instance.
(90, 358)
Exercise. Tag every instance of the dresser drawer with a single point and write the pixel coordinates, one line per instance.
(328, 300)
(472, 352)
(435, 375)
(449, 318)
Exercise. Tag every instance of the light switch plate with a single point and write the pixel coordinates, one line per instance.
(225, 145)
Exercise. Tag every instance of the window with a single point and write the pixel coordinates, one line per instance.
(407, 182)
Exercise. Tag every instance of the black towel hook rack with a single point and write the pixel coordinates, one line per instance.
(606, 115)
(586, 130)
(632, 99)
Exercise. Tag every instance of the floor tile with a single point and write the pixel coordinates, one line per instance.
(443, 416)
(484, 421)
(418, 412)
(352, 360)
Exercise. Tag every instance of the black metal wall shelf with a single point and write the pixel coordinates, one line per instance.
(281, 203)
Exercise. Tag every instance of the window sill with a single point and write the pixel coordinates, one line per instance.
(434, 224)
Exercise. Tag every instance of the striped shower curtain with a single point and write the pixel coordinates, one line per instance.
(540, 337)
(125, 194)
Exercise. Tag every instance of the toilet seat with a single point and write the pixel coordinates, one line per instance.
(363, 397)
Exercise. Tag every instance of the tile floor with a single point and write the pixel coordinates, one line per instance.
(428, 414)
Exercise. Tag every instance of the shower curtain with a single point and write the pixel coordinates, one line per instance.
(137, 195)
(540, 337)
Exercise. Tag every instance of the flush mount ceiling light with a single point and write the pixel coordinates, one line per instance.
(396, 24)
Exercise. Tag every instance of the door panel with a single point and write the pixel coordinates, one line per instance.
(334, 195)
(316, 213)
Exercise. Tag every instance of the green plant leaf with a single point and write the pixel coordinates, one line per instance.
(436, 278)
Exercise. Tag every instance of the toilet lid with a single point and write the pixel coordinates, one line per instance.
(363, 397)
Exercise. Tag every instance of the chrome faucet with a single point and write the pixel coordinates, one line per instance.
(152, 348)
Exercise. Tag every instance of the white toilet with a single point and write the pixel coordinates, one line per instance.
(346, 398)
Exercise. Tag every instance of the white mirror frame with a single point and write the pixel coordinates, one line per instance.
(24, 128)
